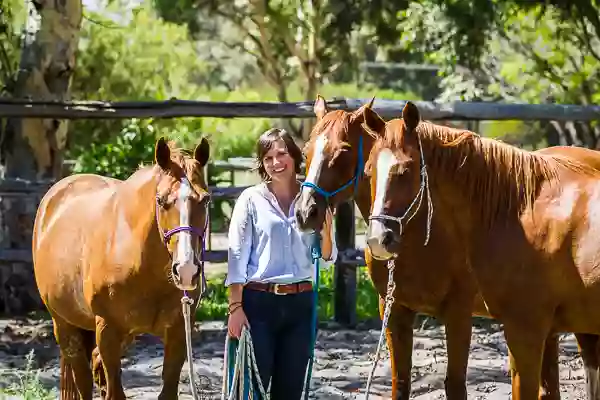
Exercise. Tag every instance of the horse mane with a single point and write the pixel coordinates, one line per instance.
(338, 121)
(503, 177)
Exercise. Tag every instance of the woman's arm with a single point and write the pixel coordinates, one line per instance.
(328, 246)
(239, 248)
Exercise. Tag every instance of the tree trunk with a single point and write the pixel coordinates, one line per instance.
(32, 149)
(310, 62)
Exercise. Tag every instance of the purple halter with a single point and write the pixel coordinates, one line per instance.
(166, 236)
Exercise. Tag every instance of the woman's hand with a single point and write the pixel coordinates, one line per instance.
(237, 320)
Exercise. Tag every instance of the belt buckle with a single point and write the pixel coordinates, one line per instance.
(276, 287)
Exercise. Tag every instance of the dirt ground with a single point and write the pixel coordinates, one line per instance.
(343, 361)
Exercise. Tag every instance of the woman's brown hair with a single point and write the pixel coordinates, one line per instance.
(264, 144)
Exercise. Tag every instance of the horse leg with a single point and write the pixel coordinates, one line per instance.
(110, 340)
(98, 368)
(550, 388)
(399, 335)
(526, 341)
(173, 360)
(457, 319)
(588, 348)
(75, 351)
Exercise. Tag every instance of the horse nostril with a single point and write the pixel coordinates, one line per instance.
(312, 212)
(298, 215)
(387, 239)
(175, 271)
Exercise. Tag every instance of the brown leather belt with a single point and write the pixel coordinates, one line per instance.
(281, 288)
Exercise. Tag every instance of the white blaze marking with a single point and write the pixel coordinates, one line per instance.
(317, 162)
(385, 161)
(185, 254)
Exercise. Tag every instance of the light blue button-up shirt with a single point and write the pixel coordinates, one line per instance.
(265, 244)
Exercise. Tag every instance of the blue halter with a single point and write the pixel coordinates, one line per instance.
(354, 180)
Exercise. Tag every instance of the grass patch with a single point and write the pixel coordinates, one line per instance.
(28, 385)
(214, 305)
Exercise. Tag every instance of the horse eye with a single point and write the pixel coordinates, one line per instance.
(162, 202)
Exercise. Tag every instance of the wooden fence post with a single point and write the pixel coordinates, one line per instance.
(345, 273)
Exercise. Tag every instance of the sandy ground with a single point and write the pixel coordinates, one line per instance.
(343, 361)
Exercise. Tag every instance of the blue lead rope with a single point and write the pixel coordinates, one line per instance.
(315, 251)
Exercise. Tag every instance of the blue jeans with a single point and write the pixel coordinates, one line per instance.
(281, 331)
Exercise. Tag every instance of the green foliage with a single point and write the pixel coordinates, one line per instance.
(142, 58)
(214, 306)
(335, 24)
(367, 299)
(534, 55)
(547, 59)
(12, 22)
(28, 385)
(121, 156)
(145, 58)
(535, 52)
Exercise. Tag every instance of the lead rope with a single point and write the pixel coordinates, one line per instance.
(315, 251)
(186, 304)
(244, 360)
(389, 300)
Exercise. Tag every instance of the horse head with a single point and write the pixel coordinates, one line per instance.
(335, 156)
(398, 175)
(182, 200)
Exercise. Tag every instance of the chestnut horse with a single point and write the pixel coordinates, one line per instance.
(521, 221)
(112, 259)
(336, 153)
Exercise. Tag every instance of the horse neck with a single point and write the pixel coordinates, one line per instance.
(137, 197)
(363, 192)
(483, 187)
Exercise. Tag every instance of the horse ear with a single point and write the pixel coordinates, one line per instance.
(162, 153)
(373, 121)
(411, 115)
(320, 107)
(370, 103)
(202, 152)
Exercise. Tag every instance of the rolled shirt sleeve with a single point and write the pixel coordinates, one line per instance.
(239, 241)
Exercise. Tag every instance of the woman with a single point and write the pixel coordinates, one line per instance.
(270, 271)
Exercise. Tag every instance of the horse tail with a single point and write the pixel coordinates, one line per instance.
(68, 388)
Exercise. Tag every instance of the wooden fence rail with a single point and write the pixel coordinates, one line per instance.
(476, 111)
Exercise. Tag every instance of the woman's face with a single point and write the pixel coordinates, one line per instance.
(278, 163)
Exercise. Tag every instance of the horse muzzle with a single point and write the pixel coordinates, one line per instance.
(308, 216)
(380, 240)
(186, 275)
